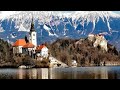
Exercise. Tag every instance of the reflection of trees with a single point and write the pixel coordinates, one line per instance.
(52, 73)
(112, 75)
(74, 73)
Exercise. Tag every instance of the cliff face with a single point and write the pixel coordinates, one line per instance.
(83, 51)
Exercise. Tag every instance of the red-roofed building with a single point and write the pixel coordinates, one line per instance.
(29, 49)
(42, 50)
(29, 45)
(17, 46)
(38, 48)
(19, 42)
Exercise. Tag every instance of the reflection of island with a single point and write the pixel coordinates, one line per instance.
(102, 73)
(33, 74)
(51, 73)
(38, 73)
(21, 74)
(44, 73)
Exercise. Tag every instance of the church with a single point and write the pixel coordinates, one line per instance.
(30, 47)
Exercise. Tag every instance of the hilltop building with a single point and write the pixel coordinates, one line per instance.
(98, 40)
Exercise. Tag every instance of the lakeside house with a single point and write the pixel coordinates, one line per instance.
(74, 63)
(30, 47)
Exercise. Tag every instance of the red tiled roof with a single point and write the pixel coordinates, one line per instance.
(19, 42)
(29, 45)
(38, 48)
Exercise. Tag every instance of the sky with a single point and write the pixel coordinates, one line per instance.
(6, 13)
(117, 12)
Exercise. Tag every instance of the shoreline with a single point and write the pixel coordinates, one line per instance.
(15, 67)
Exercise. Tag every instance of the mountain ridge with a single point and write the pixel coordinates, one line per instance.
(60, 24)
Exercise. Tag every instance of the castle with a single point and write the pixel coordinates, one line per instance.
(30, 47)
(98, 40)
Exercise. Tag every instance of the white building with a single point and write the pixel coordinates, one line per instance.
(91, 37)
(101, 41)
(42, 51)
(74, 63)
(98, 40)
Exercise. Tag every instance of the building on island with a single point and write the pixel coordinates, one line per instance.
(42, 50)
(17, 46)
(74, 63)
(30, 47)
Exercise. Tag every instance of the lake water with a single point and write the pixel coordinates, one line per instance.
(112, 72)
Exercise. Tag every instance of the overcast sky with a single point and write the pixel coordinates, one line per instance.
(113, 11)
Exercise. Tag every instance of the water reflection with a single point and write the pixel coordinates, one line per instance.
(44, 73)
(101, 73)
(62, 73)
(81, 73)
(33, 73)
(21, 74)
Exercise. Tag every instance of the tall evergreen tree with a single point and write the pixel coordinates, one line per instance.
(26, 39)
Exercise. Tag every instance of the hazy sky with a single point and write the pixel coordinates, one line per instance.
(117, 12)
(68, 11)
(113, 11)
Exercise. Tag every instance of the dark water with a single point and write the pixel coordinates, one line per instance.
(62, 73)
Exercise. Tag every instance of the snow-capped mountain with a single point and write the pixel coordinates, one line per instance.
(51, 25)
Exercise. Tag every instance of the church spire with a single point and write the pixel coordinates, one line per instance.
(32, 26)
(33, 34)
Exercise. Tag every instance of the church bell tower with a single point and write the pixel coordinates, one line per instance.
(33, 34)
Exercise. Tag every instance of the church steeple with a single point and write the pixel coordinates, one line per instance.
(32, 26)
(33, 34)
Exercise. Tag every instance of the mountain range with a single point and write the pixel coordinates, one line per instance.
(51, 25)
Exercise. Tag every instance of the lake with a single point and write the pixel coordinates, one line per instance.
(111, 72)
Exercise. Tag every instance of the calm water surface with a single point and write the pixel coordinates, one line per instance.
(62, 73)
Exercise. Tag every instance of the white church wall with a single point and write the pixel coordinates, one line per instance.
(44, 52)
(33, 38)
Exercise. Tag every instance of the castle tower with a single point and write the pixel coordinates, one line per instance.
(33, 34)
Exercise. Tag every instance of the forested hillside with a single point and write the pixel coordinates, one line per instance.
(82, 51)
(6, 54)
